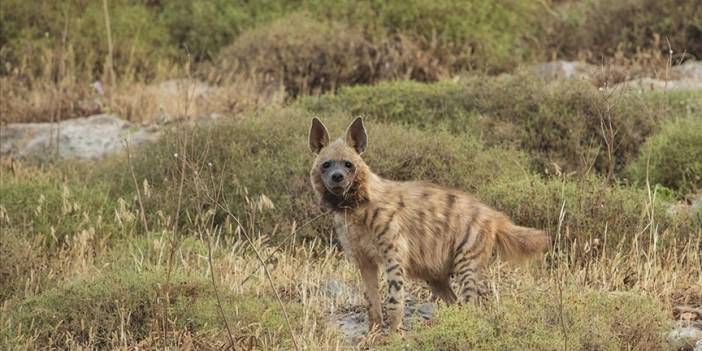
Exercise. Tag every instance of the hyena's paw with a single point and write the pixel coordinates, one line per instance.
(395, 326)
(375, 327)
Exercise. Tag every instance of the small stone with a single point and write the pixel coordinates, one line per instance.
(336, 289)
(684, 337)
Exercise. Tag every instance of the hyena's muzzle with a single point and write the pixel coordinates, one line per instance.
(337, 176)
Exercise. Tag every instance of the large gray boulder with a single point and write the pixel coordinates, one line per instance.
(563, 69)
(87, 138)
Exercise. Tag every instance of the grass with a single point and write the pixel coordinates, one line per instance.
(90, 311)
(79, 254)
(52, 58)
(567, 123)
(525, 319)
(672, 157)
(457, 160)
(164, 250)
(119, 285)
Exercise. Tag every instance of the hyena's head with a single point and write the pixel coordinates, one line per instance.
(339, 175)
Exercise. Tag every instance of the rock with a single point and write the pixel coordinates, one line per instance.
(337, 290)
(698, 345)
(563, 69)
(353, 323)
(691, 69)
(684, 338)
(87, 138)
(651, 84)
(691, 206)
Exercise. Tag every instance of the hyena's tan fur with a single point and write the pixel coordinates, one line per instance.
(412, 229)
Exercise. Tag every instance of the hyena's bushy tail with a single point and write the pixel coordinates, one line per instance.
(516, 243)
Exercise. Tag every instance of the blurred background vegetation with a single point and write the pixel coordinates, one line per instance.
(442, 36)
(449, 93)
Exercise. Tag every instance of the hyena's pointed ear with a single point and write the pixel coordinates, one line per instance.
(319, 137)
(356, 136)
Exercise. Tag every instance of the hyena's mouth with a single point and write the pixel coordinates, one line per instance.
(337, 190)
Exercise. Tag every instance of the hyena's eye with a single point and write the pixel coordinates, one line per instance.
(326, 165)
(348, 164)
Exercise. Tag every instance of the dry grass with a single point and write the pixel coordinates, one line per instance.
(137, 102)
(40, 270)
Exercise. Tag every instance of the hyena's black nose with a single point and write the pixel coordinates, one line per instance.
(337, 177)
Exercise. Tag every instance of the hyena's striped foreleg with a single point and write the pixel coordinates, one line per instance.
(369, 273)
(471, 253)
(394, 274)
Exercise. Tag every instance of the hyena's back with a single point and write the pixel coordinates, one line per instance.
(446, 232)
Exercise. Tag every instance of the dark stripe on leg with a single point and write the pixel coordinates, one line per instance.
(394, 283)
(392, 268)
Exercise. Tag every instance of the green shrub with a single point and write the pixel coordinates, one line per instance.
(38, 39)
(560, 122)
(39, 203)
(406, 102)
(488, 36)
(593, 209)
(203, 27)
(93, 311)
(604, 28)
(20, 257)
(309, 56)
(304, 54)
(672, 157)
(531, 319)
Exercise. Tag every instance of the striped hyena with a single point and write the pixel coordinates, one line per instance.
(410, 229)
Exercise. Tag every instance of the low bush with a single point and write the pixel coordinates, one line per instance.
(455, 35)
(530, 319)
(202, 28)
(70, 37)
(92, 311)
(268, 155)
(569, 123)
(593, 210)
(410, 103)
(44, 204)
(486, 36)
(601, 28)
(309, 56)
(672, 157)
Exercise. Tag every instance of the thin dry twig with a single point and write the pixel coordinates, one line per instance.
(136, 185)
(109, 63)
(262, 262)
(232, 341)
(280, 246)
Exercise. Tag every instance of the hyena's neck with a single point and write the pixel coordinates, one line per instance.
(359, 195)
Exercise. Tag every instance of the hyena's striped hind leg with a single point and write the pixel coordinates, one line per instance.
(471, 255)
(441, 288)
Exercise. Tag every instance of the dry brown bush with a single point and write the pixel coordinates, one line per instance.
(312, 57)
